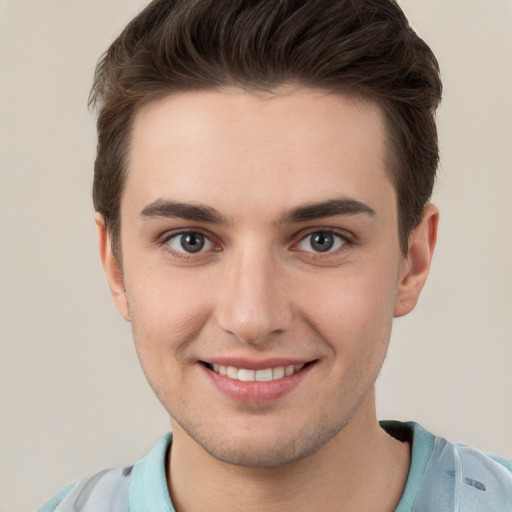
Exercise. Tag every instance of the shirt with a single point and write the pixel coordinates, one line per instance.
(443, 477)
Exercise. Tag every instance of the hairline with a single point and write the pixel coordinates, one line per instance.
(392, 164)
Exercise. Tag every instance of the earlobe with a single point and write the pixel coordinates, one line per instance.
(111, 268)
(416, 264)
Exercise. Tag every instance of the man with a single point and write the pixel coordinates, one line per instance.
(262, 192)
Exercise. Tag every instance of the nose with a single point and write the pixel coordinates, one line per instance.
(253, 304)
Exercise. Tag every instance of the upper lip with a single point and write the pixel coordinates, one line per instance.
(256, 364)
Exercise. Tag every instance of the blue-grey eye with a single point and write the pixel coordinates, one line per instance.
(190, 242)
(321, 241)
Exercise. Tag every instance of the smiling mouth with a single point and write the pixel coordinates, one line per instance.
(262, 375)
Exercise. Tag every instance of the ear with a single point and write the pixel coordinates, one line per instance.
(112, 269)
(416, 263)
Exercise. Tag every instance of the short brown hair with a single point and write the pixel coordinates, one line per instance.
(363, 47)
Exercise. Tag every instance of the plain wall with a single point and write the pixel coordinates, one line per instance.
(73, 398)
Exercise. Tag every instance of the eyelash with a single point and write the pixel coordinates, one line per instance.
(164, 242)
(344, 240)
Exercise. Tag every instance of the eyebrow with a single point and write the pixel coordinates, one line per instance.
(188, 211)
(324, 209)
(202, 213)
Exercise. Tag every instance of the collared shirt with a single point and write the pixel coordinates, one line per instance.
(443, 477)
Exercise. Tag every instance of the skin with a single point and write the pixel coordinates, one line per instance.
(260, 291)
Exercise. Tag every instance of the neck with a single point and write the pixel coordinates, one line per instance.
(361, 468)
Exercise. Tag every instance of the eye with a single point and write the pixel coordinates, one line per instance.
(190, 242)
(321, 242)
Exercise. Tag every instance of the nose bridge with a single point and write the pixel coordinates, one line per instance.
(253, 304)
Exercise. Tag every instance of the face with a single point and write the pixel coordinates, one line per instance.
(261, 266)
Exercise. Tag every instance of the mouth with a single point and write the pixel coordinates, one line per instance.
(261, 383)
(260, 375)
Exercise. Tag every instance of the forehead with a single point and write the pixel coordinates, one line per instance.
(285, 147)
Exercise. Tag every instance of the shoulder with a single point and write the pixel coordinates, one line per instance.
(103, 491)
(119, 490)
(468, 477)
(446, 476)
(51, 505)
(506, 463)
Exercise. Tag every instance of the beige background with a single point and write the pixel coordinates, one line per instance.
(73, 398)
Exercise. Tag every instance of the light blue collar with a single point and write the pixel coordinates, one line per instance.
(148, 487)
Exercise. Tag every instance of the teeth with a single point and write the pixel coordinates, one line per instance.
(264, 375)
(278, 373)
(232, 372)
(245, 375)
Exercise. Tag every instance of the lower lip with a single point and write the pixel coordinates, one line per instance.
(256, 392)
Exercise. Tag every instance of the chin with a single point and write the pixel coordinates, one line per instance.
(266, 447)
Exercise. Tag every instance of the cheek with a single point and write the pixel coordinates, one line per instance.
(352, 309)
(167, 308)
(166, 314)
